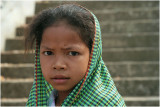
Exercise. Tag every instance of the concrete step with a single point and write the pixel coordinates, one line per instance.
(137, 86)
(13, 101)
(108, 26)
(133, 69)
(145, 86)
(20, 30)
(125, 15)
(129, 41)
(16, 88)
(122, 15)
(130, 101)
(131, 54)
(126, 41)
(17, 56)
(107, 42)
(17, 71)
(29, 19)
(15, 43)
(100, 5)
(142, 101)
(112, 54)
(116, 69)
(130, 26)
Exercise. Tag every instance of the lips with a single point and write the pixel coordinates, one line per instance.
(60, 79)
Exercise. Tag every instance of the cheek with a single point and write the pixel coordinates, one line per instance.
(80, 67)
(45, 61)
(44, 66)
(79, 73)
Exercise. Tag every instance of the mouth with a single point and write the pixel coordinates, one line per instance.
(60, 79)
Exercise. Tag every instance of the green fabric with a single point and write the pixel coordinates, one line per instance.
(96, 88)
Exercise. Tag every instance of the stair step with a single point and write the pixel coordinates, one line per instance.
(126, 41)
(107, 42)
(130, 101)
(131, 54)
(125, 87)
(99, 5)
(20, 30)
(13, 101)
(145, 86)
(15, 44)
(129, 26)
(29, 19)
(130, 34)
(116, 27)
(133, 69)
(16, 56)
(17, 71)
(112, 54)
(12, 88)
(116, 69)
(122, 15)
(142, 101)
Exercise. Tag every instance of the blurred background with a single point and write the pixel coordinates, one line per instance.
(130, 36)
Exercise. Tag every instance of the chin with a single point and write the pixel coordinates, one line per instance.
(62, 88)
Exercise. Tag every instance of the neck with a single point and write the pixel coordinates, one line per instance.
(61, 96)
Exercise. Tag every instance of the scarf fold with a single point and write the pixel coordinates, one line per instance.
(95, 89)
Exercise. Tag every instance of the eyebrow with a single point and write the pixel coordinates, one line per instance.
(47, 48)
(67, 48)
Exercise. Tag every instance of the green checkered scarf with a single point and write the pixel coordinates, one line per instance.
(96, 88)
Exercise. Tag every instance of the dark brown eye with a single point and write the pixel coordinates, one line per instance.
(48, 53)
(73, 53)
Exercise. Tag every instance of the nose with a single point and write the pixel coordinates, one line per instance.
(59, 63)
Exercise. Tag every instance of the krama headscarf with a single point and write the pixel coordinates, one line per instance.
(95, 89)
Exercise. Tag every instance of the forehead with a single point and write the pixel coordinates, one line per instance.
(61, 34)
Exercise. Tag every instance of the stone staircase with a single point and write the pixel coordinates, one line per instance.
(130, 36)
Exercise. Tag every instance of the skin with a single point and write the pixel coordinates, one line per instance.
(64, 58)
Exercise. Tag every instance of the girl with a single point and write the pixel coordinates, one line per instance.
(69, 70)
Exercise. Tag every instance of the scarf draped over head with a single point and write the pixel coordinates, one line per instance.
(95, 89)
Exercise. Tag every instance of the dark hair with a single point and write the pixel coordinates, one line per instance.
(76, 16)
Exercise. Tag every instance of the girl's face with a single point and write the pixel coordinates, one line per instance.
(64, 57)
